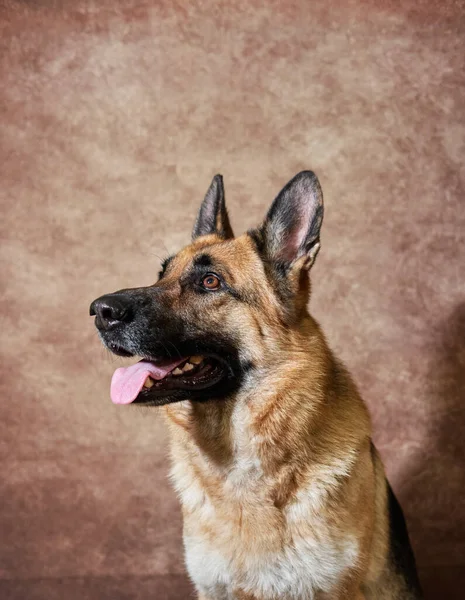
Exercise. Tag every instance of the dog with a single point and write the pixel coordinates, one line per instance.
(283, 493)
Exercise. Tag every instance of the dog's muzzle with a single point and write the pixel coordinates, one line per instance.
(176, 364)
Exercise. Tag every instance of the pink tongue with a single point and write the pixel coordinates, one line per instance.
(127, 382)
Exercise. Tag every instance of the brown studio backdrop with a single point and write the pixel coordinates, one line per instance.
(113, 118)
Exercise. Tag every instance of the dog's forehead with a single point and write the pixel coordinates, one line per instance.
(237, 255)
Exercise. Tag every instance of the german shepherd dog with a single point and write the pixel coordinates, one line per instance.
(283, 493)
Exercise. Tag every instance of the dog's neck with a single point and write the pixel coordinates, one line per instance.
(276, 423)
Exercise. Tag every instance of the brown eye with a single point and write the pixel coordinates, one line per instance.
(211, 282)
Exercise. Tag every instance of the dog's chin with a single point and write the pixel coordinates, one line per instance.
(214, 377)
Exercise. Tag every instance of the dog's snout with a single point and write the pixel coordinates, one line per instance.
(110, 311)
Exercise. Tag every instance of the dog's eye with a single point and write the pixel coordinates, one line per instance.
(211, 282)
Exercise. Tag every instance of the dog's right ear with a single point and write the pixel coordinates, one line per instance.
(213, 216)
(290, 234)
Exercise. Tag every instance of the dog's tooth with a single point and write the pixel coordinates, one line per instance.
(188, 367)
(148, 382)
(196, 360)
(177, 371)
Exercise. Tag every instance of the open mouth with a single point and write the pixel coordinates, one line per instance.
(146, 380)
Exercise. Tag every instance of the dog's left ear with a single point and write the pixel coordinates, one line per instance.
(291, 230)
(213, 216)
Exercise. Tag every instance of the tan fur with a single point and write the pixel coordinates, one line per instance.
(285, 464)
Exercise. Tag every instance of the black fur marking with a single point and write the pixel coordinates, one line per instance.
(400, 549)
(203, 260)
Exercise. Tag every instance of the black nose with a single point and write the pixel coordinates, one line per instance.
(110, 311)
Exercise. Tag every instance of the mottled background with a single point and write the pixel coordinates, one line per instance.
(114, 115)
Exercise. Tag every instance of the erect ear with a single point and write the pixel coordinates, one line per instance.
(291, 230)
(213, 216)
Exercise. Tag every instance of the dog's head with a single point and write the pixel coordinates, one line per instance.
(222, 306)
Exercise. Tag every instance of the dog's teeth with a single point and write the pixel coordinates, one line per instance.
(196, 360)
(177, 371)
(188, 367)
(148, 382)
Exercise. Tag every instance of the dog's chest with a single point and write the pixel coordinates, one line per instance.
(243, 543)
